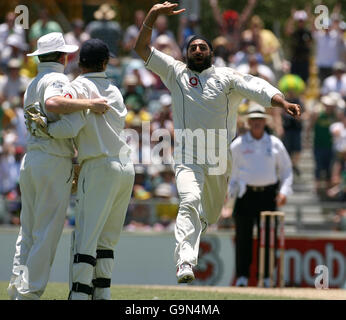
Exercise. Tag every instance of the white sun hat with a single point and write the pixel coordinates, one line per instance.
(257, 111)
(52, 42)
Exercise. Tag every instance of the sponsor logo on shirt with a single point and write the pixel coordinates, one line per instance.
(193, 82)
(68, 95)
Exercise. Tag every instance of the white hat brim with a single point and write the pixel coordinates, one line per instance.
(258, 115)
(67, 48)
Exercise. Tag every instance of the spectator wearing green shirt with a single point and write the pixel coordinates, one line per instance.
(323, 143)
(42, 26)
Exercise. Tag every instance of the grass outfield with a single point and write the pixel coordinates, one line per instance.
(59, 291)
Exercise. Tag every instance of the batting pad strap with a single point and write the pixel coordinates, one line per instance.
(102, 283)
(84, 258)
(104, 254)
(84, 288)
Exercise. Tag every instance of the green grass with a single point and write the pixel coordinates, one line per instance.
(59, 291)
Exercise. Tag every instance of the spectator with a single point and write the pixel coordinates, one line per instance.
(105, 28)
(266, 41)
(14, 49)
(320, 123)
(139, 213)
(75, 37)
(329, 44)
(12, 84)
(168, 46)
(161, 28)
(163, 117)
(230, 23)
(254, 68)
(8, 28)
(131, 33)
(188, 26)
(134, 100)
(292, 86)
(247, 47)
(300, 43)
(337, 81)
(222, 53)
(8, 169)
(167, 208)
(338, 131)
(42, 26)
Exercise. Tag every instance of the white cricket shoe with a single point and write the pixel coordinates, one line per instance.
(12, 291)
(241, 282)
(185, 273)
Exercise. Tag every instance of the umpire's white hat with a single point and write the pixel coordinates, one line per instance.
(256, 111)
(52, 42)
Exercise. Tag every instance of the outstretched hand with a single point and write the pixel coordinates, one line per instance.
(293, 109)
(167, 8)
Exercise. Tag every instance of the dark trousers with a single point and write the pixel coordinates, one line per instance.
(247, 214)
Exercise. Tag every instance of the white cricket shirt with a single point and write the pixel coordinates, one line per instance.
(48, 83)
(261, 162)
(96, 135)
(209, 99)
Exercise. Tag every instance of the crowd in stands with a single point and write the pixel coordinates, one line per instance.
(242, 43)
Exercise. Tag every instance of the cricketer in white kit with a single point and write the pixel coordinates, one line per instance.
(45, 175)
(204, 99)
(106, 178)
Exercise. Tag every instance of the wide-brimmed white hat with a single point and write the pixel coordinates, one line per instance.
(257, 111)
(52, 42)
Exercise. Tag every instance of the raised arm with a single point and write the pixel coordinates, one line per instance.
(142, 46)
(59, 104)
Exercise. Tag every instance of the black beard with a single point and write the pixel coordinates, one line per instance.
(199, 67)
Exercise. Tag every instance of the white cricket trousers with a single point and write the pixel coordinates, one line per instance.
(45, 184)
(104, 192)
(201, 199)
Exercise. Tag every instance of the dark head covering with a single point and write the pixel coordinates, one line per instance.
(94, 51)
(193, 38)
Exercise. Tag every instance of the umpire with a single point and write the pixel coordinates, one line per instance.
(261, 180)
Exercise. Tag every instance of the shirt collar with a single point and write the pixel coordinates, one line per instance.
(250, 138)
(205, 71)
(94, 75)
(50, 67)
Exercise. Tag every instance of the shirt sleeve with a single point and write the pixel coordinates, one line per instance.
(69, 125)
(284, 166)
(163, 65)
(254, 88)
(55, 87)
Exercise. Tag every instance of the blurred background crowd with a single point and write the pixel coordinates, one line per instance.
(305, 62)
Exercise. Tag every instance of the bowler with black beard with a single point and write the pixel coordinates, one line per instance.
(204, 98)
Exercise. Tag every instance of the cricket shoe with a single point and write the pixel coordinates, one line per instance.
(185, 273)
